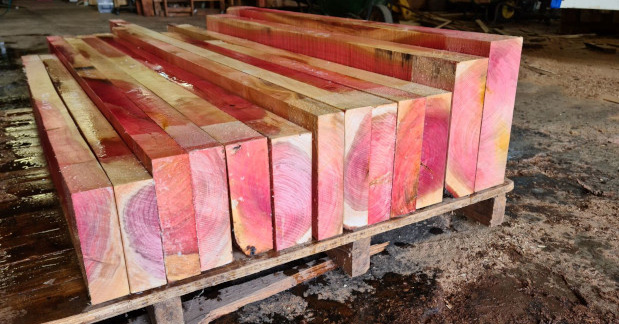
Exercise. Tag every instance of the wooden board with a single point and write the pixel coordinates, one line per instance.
(48, 286)
(134, 188)
(86, 192)
(434, 151)
(325, 122)
(464, 75)
(382, 142)
(290, 147)
(503, 65)
(202, 129)
(206, 158)
(362, 135)
(159, 153)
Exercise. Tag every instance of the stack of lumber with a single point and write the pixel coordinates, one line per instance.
(172, 150)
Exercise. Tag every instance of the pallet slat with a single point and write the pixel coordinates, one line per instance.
(86, 192)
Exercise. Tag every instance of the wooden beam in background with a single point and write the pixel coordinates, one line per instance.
(502, 51)
(464, 75)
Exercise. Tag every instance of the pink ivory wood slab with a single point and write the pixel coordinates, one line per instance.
(134, 188)
(85, 191)
(196, 119)
(464, 75)
(437, 113)
(206, 159)
(289, 146)
(360, 164)
(503, 65)
(325, 122)
(358, 114)
(166, 161)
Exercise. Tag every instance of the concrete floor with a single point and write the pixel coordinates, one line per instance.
(555, 260)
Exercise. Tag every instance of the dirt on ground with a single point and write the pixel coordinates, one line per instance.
(554, 260)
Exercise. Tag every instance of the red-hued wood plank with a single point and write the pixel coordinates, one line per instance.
(382, 142)
(325, 122)
(134, 188)
(163, 158)
(290, 147)
(464, 75)
(85, 190)
(357, 106)
(363, 137)
(431, 175)
(503, 65)
(197, 124)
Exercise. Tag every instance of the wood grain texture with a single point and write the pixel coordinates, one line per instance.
(464, 75)
(433, 157)
(88, 201)
(202, 129)
(369, 126)
(159, 153)
(206, 155)
(357, 107)
(290, 146)
(503, 65)
(134, 188)
(325, 122)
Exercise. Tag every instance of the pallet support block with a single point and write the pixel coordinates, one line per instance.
(353, 258)
(489, 212)
(167, 312)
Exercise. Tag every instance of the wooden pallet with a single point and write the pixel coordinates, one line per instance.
(40, 280)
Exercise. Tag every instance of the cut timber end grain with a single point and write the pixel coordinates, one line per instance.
(206, 156)
(325, 122)
(290, 147)
(134, 188)
(436, 130)
(167, 161)
(186, 116)
(357, 107)
(89, 204)
(503, 65)
(464, 75)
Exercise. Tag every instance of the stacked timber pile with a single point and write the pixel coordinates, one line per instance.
(266, 131)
